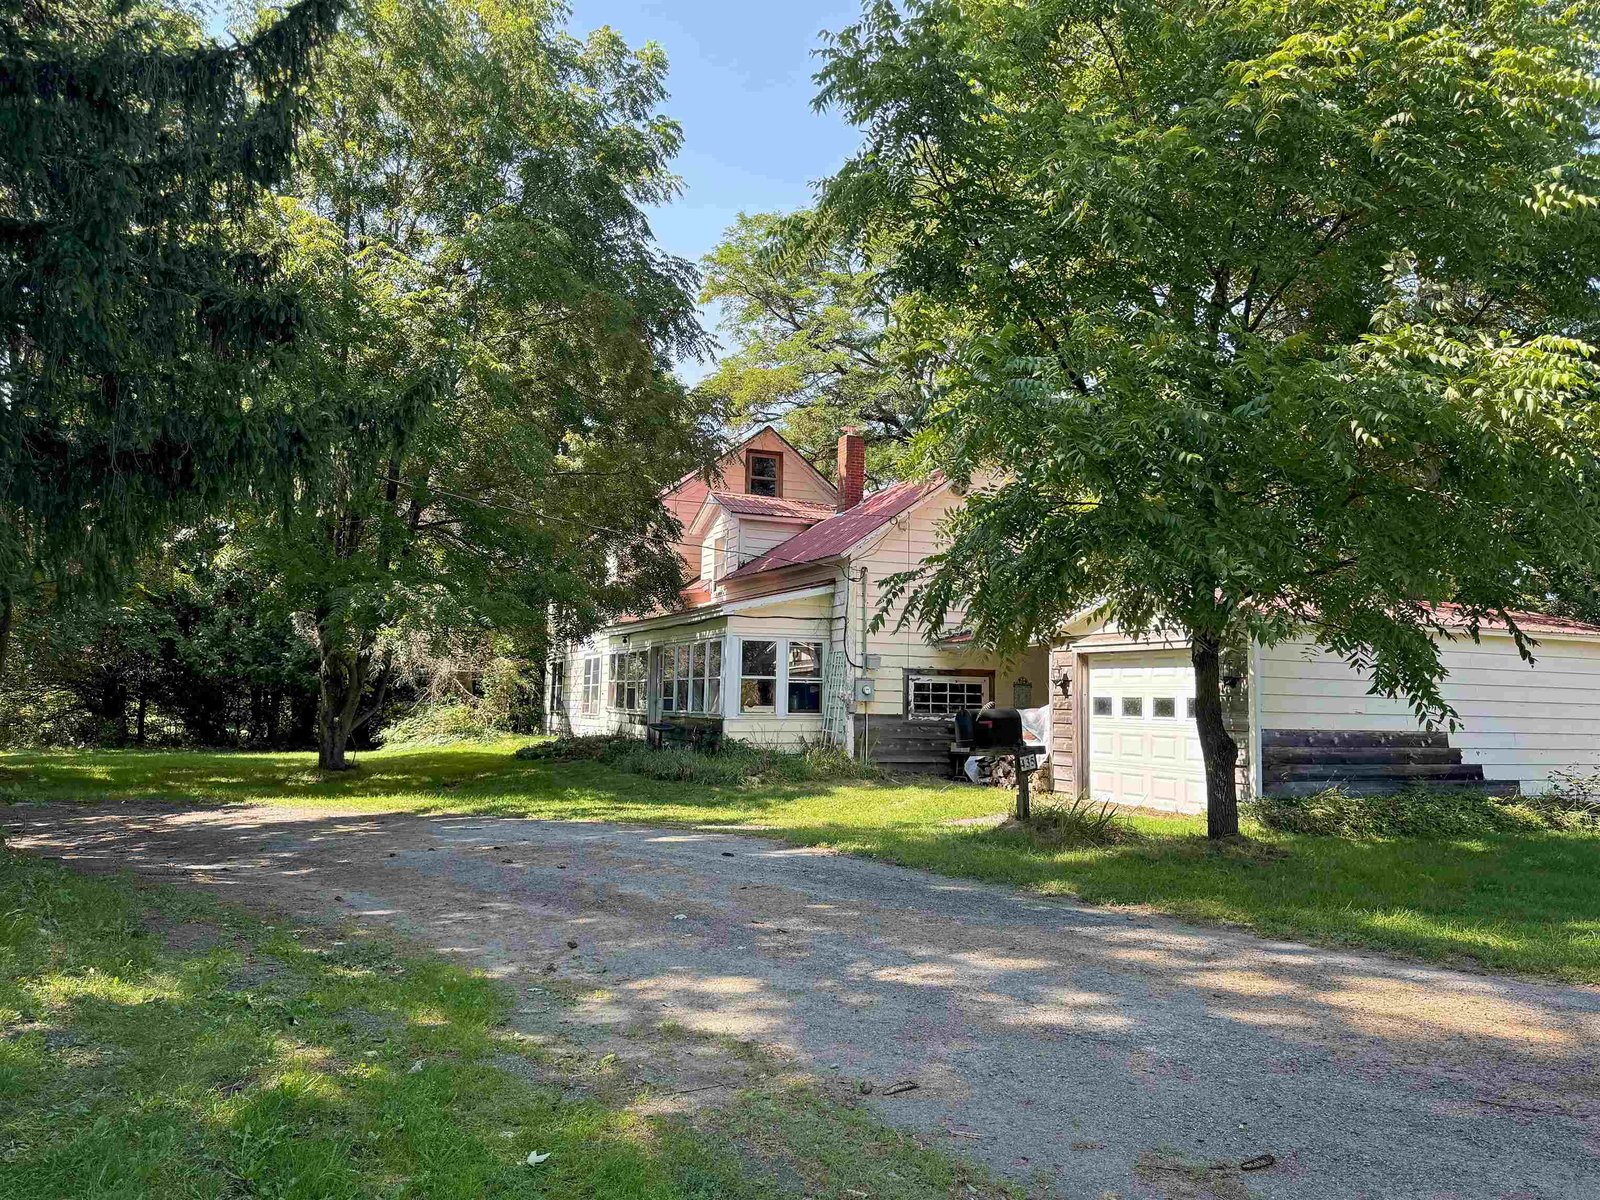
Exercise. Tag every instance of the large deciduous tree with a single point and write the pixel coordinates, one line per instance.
(135, 320)
(1258, 316)
(496, 329)
(813, 340)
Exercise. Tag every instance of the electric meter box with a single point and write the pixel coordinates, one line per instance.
(866, 689)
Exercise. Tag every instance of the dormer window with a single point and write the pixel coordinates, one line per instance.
(763, 475)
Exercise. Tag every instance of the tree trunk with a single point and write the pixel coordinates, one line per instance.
(1217, 748)
(139, 718)
(342, 678)
(7, 609)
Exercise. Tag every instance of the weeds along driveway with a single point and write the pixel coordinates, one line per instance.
(1079, 1051)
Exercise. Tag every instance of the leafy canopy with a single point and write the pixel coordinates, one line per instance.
(1250, 316)
(496, 328)
(814, 346)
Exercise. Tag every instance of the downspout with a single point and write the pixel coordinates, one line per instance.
(1254, 677)
(866, 705)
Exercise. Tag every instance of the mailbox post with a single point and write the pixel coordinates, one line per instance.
(999, 731)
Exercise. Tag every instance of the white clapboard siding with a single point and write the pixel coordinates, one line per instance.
(907, 542)
(780, 733)
(756, 536)
(1518, 721)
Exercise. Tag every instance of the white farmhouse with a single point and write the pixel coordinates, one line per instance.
(775, 645)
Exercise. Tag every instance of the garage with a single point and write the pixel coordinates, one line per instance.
(1144, 749)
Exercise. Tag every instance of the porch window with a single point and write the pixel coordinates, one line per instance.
(758, 677)
(589, 685)
(944, 695)
(627, 688)
(691, 678)
(805, 677)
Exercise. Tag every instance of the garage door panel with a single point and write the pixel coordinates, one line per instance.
(1136, 757)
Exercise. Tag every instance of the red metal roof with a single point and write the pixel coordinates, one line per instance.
(842, 530)
(772, 506)
(1528, 622)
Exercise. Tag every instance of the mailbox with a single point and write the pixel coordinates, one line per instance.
(964, 718)
(997, 729)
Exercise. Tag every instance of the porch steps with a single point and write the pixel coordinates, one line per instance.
(1301, 762)
(904, 747)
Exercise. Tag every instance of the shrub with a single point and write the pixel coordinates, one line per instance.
(1573, 801)
(735, 763)
(1412, 813)
(1079, 821)
(440, 725)
(574, 749)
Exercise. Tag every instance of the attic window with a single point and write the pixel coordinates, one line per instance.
(763, 475)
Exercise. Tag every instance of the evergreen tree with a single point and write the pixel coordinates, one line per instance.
(137, 322)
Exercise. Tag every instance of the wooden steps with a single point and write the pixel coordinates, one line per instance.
(1301, 762)
(902, 747)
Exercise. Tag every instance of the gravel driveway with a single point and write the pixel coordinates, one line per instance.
(1113, 1054)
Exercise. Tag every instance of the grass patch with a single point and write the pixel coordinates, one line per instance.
(156, 1044)
(259, 1063)
(1523, 899)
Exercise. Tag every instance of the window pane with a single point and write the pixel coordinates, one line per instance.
(1133, 706)
(805, 696)
(683, 694)
(716, 658)
(681, 661)
(758, 695)
(697, 663)
(763, 475)
(805, 658)
(1102, 706)
(941, 696)
(697, 694)
(714, 695)
(1164, 706)
(760, 658)
(1191, 708)
(667, 696)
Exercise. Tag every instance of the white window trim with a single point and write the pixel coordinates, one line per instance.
(668, 649)
(780, 707)
(940, 677)
(590, 693)
(616, 681)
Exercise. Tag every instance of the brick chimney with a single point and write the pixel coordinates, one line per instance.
(852, 469)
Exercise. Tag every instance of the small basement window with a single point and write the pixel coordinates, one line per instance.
(944, 695)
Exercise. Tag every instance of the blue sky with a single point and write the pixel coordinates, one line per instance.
(741, 88)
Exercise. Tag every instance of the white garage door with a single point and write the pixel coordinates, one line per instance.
(1143, 747)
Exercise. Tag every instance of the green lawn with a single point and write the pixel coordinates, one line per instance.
(1524, 902)
(166, 1046)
